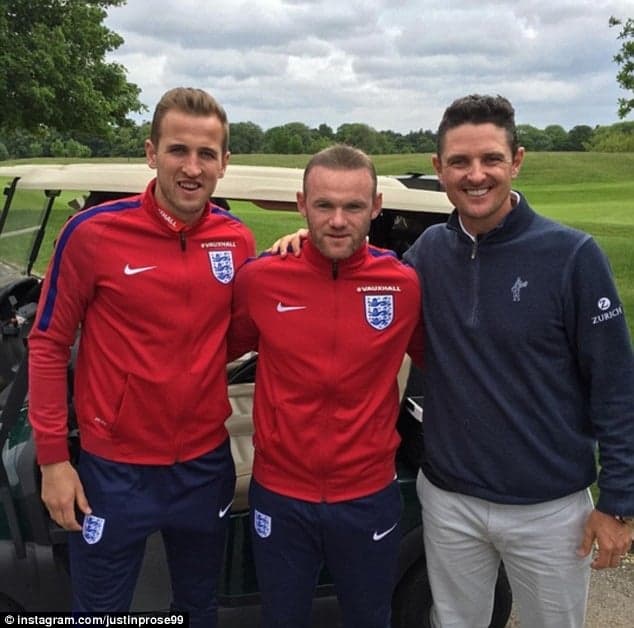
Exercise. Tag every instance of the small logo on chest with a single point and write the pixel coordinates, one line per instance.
(517, 287)
(221, 265)
(379, 310)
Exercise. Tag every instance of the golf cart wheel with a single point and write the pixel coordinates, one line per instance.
(412, 601)
(8, 605)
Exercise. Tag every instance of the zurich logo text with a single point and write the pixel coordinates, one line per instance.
(607, 315)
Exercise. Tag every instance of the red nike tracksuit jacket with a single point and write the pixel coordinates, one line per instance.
(331, 338)
(153, 299)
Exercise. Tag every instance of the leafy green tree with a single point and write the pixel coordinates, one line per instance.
(245, 137)
(276, 140)
(288, 139)
(35, 149)
(533, 138)
(128, 140)
(625, 59)
(52, 67)
(422, 141)
(74, 148)
(325, 131)
(579, 136)
(56, 148)
(617, 138)
(4, 153)
(21, 143)
(391, 142)
(558, 137)
(319, 143)
(295, 145)
(360, 135)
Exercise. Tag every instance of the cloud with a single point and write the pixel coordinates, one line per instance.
(390, 64)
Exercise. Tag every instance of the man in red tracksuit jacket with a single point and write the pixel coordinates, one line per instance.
(149, 280)
(331, 328)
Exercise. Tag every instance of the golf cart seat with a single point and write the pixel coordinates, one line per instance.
(240, 426)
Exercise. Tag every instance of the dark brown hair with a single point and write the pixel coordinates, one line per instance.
(477, 109)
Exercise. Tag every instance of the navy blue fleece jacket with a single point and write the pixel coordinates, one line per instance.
(528, 364)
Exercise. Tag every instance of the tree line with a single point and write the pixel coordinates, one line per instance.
(61, 97)
(298, 138)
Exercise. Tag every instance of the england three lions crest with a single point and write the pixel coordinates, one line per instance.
(379, 310)
(222, 265)
(92, 529)
(262, 523)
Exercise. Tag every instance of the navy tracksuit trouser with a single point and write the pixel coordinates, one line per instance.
(357, 540)
(187, 502)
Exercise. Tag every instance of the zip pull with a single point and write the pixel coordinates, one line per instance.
(335, 269)
(181, 236)
(474, 249)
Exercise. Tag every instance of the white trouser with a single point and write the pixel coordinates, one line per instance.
(466, 537)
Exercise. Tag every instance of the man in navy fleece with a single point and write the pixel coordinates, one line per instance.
(528, 366)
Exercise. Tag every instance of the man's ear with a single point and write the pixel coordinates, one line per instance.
(150, 153)
(225, 163)
(437, 164)
(301, 203)
(377, 206)
(517, 161)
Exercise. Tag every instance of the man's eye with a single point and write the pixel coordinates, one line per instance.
(493, 160)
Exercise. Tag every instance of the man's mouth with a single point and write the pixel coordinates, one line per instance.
(189, 186)
(477, 192)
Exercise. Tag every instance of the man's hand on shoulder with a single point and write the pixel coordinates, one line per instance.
(292, 241)
(61, 490)
(613, 539)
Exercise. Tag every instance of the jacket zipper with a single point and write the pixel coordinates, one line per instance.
(327, 430)
(474, 248)
(183, 246)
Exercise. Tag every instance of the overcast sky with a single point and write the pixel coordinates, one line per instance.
(390, 64)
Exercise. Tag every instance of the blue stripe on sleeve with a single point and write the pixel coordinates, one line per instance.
(75, 221)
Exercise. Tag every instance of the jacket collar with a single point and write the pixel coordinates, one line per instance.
(515, 222)
(335, 268)
(169, 222)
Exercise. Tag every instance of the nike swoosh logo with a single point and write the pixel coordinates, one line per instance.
(289, 308)
(377, 536)
(223, 511)
(128, 270)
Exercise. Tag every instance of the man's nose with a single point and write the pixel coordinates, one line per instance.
(191, 166)
(476, 170)
(338, 217)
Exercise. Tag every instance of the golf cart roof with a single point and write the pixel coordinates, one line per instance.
(266, 186)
